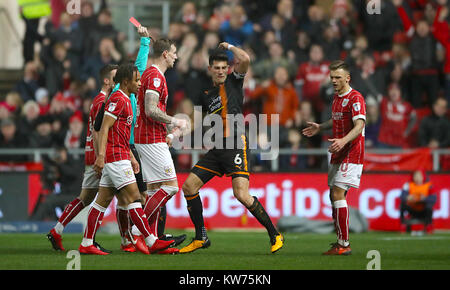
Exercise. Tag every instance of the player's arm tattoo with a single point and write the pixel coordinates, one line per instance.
(152, 110)
(326, 125)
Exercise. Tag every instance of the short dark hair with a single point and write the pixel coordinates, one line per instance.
(218, 54)
(339, 64)
(105, 72)
(161, 45)
(125, 72)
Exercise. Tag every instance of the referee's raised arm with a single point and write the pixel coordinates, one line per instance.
(242, 58)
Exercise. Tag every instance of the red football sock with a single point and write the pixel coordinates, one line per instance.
(71, 211)
(94, 220)
(153, 221)
(139, 219)
(155, 202)
(341, 219)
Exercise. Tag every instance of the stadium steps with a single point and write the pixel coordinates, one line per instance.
(8, 80)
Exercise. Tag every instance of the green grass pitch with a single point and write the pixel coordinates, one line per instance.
(237, 251)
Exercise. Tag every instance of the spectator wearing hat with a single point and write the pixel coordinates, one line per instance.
(43, 100)
(75, 137)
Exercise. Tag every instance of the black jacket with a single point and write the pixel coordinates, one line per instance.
(434, 127)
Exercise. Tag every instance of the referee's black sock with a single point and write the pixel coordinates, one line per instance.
(263, 218)
(195, 208)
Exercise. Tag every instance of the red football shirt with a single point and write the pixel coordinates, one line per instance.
(346, 109)
(394, 121)
(89, 156)
(119, 107)
(311, 76)
(148, 130)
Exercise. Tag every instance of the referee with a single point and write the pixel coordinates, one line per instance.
(225, 99)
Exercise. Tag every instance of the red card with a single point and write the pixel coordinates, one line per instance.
(135, 22)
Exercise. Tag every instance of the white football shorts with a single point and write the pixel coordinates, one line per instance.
(117, 174)
(90, 179)
(156, 162)
(345, 175)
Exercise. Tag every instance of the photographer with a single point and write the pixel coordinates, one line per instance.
(63, 169)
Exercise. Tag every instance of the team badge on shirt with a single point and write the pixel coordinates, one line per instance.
(357, 106)
(112, 107)
(156, 82)
(345, 102)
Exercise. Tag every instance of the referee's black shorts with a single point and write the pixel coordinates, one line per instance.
(139, 179)
(219, 162)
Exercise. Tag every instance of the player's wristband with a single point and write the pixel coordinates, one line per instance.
(170, 136)
(230, 46)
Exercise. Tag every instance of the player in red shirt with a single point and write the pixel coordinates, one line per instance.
(116, 165)
(151, 138)
(347, 149)
(91, 181)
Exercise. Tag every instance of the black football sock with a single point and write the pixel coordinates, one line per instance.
(263, 218)
(195, 209)
(162, 221)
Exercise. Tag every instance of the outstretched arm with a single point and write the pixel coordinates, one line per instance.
(314, 128)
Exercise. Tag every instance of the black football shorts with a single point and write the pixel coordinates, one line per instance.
(219, 162)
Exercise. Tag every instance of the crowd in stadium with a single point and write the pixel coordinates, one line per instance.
(399, 58)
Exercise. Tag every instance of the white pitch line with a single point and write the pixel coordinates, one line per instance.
(414, 238)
